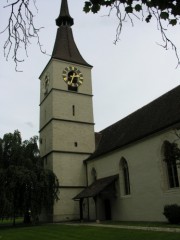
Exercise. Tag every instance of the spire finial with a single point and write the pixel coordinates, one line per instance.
(64, 16)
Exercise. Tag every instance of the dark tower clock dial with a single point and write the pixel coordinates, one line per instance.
(72, 76)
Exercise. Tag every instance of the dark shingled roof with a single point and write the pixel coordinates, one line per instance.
(96, 187)
(155, 116)
(65, 47)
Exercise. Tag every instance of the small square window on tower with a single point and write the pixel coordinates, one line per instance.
(75, 144)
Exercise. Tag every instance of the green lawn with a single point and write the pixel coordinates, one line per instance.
(63, 232)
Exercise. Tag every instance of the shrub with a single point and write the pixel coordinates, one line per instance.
(172, 213)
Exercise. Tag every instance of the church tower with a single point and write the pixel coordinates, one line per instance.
(66, 117)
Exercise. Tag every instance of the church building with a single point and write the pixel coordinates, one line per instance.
(121, 173)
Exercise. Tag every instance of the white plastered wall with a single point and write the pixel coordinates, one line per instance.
(148, 179)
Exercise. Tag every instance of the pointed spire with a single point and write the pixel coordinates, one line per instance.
(64, 17)
(65, 47)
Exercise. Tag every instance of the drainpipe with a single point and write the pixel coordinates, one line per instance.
(96, 208)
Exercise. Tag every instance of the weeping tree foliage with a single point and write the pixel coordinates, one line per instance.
(25, 186)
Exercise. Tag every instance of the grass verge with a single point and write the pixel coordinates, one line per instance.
(63, 232)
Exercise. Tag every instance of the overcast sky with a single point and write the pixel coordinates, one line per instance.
(125, 76)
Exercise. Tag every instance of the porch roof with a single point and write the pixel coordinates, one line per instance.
(96, 187)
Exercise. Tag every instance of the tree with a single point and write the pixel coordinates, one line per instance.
(11, 149)
(25, 186)
(21, 27)
(171, 153)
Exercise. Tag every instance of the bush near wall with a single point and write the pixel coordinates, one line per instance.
(172, 213)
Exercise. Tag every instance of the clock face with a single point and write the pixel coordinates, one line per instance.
(72, 76)
(45, 84)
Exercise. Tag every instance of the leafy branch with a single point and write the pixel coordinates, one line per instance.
(166, 13)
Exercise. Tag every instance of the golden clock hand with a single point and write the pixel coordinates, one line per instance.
(72, 77)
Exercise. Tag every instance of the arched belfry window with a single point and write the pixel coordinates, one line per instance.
(171, 158)
(125, 176)
(94, 174)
